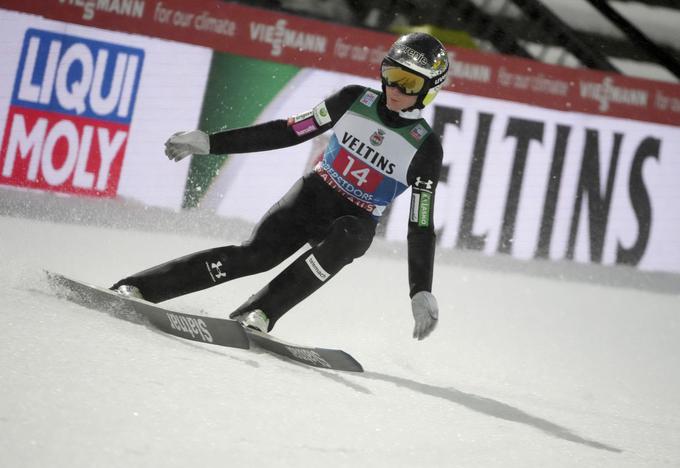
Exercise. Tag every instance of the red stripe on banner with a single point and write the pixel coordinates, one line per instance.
(60, 153)
(304, 42)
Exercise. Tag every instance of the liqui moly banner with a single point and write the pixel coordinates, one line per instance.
(85, 111)
(69, 118)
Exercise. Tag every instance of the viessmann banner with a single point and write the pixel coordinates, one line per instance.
(283, 38)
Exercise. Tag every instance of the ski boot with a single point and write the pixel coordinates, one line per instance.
(255, 319)
(129, 291)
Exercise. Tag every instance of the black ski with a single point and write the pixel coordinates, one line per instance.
(217, 331)
(318, 357)
(223, 332)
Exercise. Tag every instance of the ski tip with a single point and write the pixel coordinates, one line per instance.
(353, 364)
(50, 275)
(323, 358)
(359, 367)
(54, 280)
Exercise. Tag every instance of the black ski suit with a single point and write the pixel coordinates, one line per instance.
(312, 212)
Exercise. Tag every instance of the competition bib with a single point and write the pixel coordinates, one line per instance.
(366, 161)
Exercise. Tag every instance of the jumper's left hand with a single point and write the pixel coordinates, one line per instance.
(425, 313)
(182, 144)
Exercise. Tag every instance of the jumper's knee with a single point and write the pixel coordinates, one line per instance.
(350, 238)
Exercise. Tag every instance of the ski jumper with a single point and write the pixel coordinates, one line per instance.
(373, 155)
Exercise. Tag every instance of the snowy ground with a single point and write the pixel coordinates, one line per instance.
(525, 370)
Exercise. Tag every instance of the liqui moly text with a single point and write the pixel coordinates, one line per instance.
(69, 118)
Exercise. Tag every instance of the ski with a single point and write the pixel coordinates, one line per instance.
(217, 331)
(324, 358)
(223, 332)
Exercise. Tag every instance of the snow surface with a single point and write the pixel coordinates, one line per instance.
(524, 370)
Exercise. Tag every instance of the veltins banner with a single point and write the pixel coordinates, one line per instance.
(517, 179)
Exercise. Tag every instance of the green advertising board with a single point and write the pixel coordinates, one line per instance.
(237, 91)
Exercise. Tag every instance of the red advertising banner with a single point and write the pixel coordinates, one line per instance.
(305, 42)
(70, 137)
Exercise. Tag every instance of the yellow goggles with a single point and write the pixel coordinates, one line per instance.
(407, 82)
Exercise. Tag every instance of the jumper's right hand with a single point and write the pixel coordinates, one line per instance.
(425, 314)
(182, 144)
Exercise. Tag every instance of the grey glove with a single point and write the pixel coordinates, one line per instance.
(425, 313)
(182, 144)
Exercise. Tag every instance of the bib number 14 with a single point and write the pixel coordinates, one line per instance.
(361, 175)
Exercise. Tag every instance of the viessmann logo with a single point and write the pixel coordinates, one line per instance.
(69, 118)
(280, 37)
(607, 92)
(131, 8)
